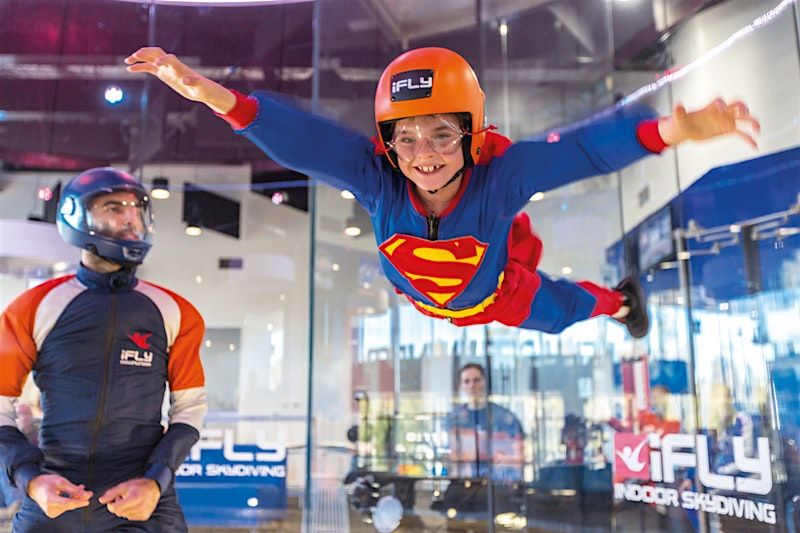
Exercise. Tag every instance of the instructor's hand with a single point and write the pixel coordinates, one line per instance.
(56, 495)
(181, 78)
(135, 499)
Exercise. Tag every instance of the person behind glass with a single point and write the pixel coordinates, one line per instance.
(486, 440)
(444, 193)
(102, 346)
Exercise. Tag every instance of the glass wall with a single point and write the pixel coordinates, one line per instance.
(334, 404)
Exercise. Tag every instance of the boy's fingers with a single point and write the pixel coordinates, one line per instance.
(148, 53)
(746, 138)
(754, 123)
(164, 60)
(738, 109)
(143, 67)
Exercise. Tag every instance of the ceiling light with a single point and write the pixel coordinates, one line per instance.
(335, 267)
(45, 193)
(352, 231)
(160, 190)
(113, 94)
(347, 195)
(193, 230)
(504, 29)
(280, 197)
(566, 271)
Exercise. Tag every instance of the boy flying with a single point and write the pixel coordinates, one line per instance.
(444, 193)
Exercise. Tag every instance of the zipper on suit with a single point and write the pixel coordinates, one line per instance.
(98, 420)
(433, 227)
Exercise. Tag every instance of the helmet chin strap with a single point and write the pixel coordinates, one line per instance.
(451, 180)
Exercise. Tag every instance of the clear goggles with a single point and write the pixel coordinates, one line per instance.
(122, 215)
(417, 135)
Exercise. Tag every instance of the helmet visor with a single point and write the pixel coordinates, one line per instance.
(123, 214)
(417, 135)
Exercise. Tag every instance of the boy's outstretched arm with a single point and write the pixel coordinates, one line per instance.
(609, 144)
(182, 79)
(295, 139)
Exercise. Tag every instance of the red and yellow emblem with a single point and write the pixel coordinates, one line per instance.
(440, 270)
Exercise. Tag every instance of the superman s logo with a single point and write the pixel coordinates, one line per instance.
(440, 270)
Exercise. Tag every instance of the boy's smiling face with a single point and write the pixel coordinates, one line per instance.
(428, 149)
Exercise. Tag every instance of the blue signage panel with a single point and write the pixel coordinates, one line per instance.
(227, 484)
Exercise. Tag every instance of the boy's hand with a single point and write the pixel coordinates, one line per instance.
(181, 78)
(57, 495)
(716, 119)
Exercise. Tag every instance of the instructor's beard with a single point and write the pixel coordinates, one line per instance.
(98, 264)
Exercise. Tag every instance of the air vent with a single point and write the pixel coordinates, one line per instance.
(231, 263)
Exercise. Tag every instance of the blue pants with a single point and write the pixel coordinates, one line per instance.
(167, 518)
(560, 303)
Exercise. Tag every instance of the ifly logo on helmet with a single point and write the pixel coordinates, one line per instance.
(412, 84)
(656, 458)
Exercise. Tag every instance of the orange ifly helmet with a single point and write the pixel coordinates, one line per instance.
(430, 81)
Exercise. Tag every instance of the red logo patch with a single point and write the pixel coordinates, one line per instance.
(440, 270)
(631, 456)
(140, 339)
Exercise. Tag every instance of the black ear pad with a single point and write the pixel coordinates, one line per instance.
(387, 132)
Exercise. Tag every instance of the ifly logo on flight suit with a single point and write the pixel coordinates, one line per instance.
(136, 357)
(655, 458)
(411, 85)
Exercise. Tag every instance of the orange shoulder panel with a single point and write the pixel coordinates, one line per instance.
(17, 348)
(184, 369)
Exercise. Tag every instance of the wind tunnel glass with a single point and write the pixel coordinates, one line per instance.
(120, 215)
(415, 135)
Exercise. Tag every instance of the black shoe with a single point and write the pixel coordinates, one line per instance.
(637, 321)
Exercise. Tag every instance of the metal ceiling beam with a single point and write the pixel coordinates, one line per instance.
(579, 26)
(386, 21)
(459, 15)
(51, 68)
(352, 74)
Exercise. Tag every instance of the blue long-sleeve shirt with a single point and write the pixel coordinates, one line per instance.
(472, 233)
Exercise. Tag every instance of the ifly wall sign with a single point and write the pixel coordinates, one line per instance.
(224, 483)
(642, 460)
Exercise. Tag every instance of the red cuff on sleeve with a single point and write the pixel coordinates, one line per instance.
(648, 136)
(243, 112)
